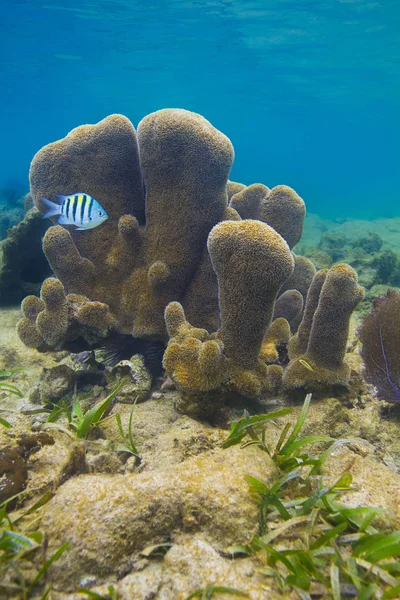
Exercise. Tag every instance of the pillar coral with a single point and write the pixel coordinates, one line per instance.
(147, 253)
(323, 362)
(173, 245)
(185, 164)
(281, 208)
(251, 261)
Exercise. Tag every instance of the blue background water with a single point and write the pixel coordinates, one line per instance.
(307, 90)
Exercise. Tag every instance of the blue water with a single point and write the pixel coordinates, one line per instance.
(307, 90)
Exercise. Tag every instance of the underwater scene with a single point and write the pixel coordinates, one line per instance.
(200, 300)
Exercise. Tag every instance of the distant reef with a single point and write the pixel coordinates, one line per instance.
(373, 255)
(12, 209)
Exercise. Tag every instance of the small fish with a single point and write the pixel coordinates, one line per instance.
(77, 209)
(306, 364)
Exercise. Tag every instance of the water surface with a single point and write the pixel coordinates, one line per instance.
(307, 90)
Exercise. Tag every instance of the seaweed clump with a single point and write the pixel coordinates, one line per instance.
(379, 334)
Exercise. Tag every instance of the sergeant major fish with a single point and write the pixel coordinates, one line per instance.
(77, 209)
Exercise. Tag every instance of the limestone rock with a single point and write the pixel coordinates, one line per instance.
(376, 484)
(56, 382)
(190, 565)
(51, 466)
(40, 461)
(139, 380)
(109, 519)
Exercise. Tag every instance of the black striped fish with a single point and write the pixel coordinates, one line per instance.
(77, 209)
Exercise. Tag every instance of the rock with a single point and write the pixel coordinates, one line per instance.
(104, 462)
(55, 383)
(139, 380)
(371, 243)
(36, 461)
(52, 465)
(110, 519)
(33, 442)
(387, 266)
(162, 436)
(13, 473)
(190, 565)
(376, 484)
(333, 244)
(320, 259)
(378, 290)
(366, 275)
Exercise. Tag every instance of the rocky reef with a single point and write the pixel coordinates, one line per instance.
(213, 255)
(180, 515)
(23, 266)
(184, 313)
(370, 247)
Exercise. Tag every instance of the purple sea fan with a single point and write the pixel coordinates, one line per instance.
(379, 334)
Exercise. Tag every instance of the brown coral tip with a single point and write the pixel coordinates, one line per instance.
(52, 293)
(323, 363)
(174, 318)
(289, 305)
(31, 306)
(284, 210)
(28, 333)
(275, 339)
(299, 342)
(251, 261)
(301, 277)
(232, 188)
(248, 201)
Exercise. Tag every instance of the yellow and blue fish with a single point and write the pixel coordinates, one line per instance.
(78, 209)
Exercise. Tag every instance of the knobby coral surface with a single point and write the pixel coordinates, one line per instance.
(322, 363)
(181, 239)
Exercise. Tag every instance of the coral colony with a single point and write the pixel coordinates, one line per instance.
(187, 258)
(380, 337)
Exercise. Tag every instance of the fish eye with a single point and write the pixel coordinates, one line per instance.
(99, 212)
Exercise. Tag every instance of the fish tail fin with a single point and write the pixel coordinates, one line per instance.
(54, 208)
